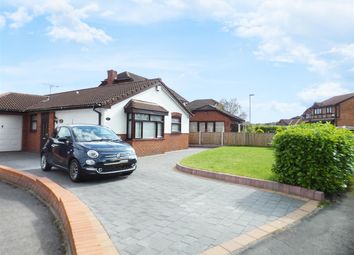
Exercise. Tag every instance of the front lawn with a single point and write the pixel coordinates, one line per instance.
(253, 162)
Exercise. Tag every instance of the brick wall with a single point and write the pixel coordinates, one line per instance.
(31, 140)
(170, 142)
(212, 116)
(346, 117)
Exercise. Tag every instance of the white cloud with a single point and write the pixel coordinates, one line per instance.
(19, 18)
(69, 26)
(66, 21)
(322, 91)
(287, 31)
(345, 50)
(2, 21)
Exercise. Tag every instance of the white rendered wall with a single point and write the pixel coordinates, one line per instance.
(80, 116)
(118, 118)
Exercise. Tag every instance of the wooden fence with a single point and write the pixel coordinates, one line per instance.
(230, 138)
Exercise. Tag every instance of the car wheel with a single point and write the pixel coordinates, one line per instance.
(75, 171)
(45, 166)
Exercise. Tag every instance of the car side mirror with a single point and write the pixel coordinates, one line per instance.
(65, 140)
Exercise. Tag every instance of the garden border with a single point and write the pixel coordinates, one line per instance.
(258, 183)
(83, 231)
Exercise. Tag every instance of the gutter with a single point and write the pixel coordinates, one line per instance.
(98, 112)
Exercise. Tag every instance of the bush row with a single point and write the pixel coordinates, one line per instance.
(315, 156)
(264, 129)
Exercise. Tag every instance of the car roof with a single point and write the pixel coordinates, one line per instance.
(79, 125)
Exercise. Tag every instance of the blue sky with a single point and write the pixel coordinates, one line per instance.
(288, 53)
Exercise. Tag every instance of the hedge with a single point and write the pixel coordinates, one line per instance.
(315, 156)
(264, 129)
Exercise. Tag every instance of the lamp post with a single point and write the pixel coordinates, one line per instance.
(250, 95)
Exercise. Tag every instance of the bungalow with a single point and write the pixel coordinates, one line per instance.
(338, 110)
(144, 112)
(209, 116)
(293, 121)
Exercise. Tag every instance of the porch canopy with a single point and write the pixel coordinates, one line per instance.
(138, 106)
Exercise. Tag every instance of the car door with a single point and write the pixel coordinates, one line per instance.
(62, 146)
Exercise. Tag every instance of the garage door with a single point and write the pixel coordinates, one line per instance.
(10, 133)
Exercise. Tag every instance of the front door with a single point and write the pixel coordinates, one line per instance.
(44, 128)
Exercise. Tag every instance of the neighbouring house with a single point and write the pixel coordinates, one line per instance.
(208, 116)
(144, 112)
(293, 121)
(338, 110)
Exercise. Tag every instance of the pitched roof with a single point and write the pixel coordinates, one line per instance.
(334, 100)
(125, 77)
(104, 96)
(18, 102)
(293, 121)
(215, 108)
(200, 103)
(101, 96)
(178, 96)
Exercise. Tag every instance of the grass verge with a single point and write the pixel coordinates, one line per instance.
(253, 162)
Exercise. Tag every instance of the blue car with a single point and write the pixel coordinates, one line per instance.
(88, 150)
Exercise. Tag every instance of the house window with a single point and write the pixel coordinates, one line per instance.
(144, 126)
(193, 127)
(176, 124)
(318, 111)
(219, 127)
(210, 126)
(201, 126)
(329, 109)
(33, 122)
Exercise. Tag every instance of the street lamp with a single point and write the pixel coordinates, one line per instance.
(250, 95)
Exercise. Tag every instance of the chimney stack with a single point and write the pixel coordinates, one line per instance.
(111, 76)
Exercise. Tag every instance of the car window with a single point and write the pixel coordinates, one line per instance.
(64, 132)
(93, 133)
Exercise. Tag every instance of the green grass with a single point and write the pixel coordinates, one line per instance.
(253, 162)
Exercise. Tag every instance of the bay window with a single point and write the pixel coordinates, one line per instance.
(145, 126)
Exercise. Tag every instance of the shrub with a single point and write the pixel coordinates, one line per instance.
(315, 156)
(265, 128)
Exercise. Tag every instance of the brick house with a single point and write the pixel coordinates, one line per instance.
(338, 110)
(144, 112)
(208, 116)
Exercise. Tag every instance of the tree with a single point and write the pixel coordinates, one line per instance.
(232, 106)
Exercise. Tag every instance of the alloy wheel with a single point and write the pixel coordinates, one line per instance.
(74, 170)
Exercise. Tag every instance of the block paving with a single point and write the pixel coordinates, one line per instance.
(158, 210)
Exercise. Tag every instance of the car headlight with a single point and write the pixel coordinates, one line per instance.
(132, 154)
(93, 154)
(131, 151)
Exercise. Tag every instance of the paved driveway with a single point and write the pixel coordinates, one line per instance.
(158, 210)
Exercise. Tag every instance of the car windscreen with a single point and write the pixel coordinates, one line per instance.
(94, 133)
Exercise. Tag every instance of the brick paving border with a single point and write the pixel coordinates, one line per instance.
(263, 184)
(245, 240)
(83, 231)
